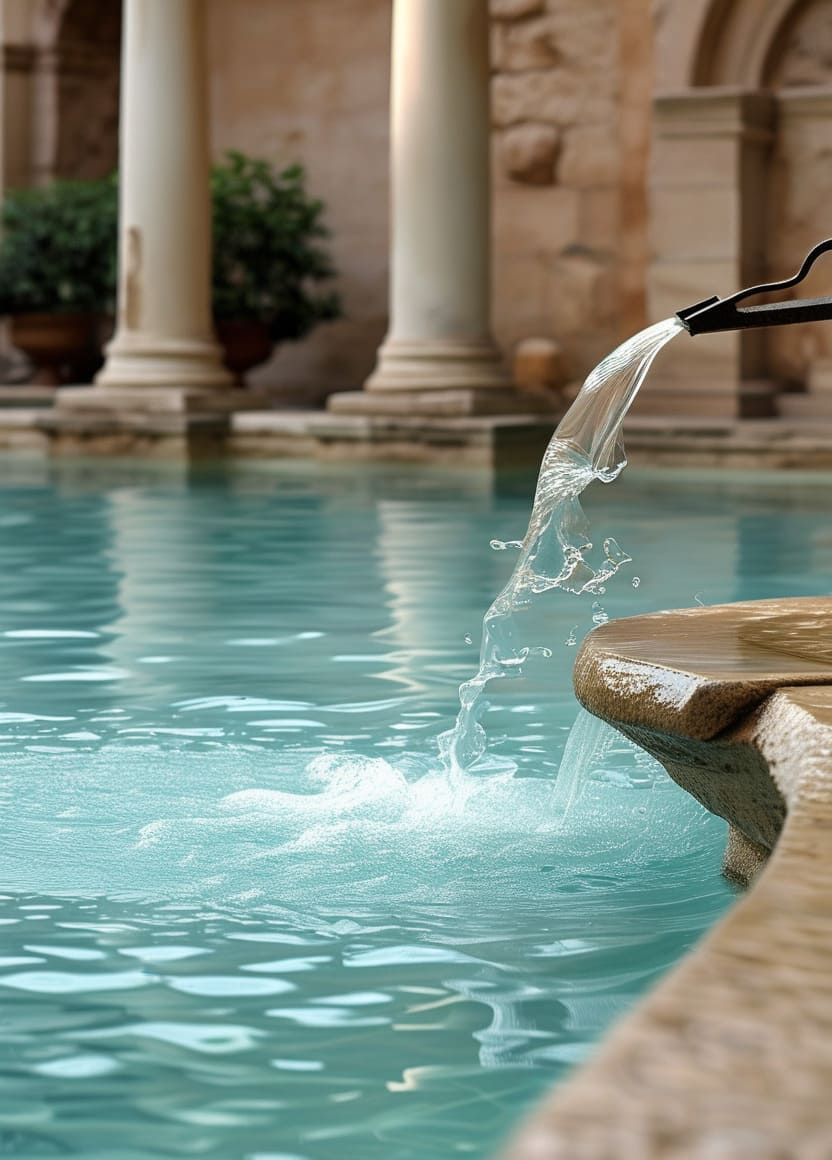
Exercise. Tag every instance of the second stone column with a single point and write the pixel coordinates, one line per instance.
(439, 335)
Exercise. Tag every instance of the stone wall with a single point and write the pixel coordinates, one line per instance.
(573, 117)
(800, 180)
(748, 161)
(308, 80)
(570, 129)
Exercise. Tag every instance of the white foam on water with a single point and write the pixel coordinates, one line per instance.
(555, 551)
(214, 827)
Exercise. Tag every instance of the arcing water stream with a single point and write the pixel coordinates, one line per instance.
(587, 445)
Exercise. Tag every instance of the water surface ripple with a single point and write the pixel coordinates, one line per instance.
(244, 912)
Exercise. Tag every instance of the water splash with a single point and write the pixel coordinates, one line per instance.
(554, 553)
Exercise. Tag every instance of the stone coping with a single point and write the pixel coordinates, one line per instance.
(731, 1055)
(475, 440)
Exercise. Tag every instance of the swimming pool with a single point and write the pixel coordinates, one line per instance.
(244, 913)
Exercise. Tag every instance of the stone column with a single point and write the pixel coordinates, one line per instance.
(164, 335)
(440, 336)
(708, 236)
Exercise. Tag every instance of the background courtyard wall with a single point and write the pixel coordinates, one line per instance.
(581, 224)
(308, 81)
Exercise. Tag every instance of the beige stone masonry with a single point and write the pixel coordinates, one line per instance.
(708, 219)
(730, 1055)
(437, 403)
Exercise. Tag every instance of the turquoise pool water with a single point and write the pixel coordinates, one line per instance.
(244, 914)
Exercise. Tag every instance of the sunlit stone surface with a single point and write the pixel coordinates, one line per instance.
(730, 1056)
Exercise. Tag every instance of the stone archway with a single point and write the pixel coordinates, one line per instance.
(799, 70)
(71, 51)
(87, 80)
(739, 188)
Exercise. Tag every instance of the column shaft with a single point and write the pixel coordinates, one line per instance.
(164, 334)
(439, 332)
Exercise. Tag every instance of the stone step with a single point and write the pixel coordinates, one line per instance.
(755, 399)
(446, 404)
(806, 406)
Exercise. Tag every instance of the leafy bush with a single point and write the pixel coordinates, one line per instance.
(268, 255)
(58, 249)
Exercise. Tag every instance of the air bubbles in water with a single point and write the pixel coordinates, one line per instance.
(468, 638)
(599, 615)
(504, 545)
(636, 581)
(572, 639)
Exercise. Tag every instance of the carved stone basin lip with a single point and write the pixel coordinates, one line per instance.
(731, 1054)
(695, 671)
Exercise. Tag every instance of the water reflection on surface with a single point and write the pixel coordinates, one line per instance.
(245, 913)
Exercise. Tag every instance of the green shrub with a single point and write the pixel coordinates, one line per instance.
(268, 252)
(58, 249)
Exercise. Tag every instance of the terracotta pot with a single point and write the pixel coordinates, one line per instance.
(64, 348)
(246, 344)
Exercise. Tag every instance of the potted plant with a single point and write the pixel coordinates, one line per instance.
(58, 267)
(269, 261)
(57, 274)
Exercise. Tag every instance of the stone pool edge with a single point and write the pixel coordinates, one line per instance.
(729, 1055)
(29, 422)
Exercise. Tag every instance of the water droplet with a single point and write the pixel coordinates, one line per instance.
(615, 553)
(499, 545)
(636, 581)
(468, 638)
(516, 661)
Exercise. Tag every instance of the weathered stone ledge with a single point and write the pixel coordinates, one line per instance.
(491, 441)
(730, 1055)
(484, 440)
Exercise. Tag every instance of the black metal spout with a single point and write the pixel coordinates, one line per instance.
(715, 313)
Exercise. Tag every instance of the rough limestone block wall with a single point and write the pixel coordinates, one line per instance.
(308, 80)
(563, 165)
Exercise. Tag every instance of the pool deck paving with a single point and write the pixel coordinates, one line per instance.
(731, 1055)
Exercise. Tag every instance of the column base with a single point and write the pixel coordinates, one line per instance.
(438, 365)
(158, 400)
(170, 362)
(168, 422)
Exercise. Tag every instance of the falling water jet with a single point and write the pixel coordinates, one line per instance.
(587, 445)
